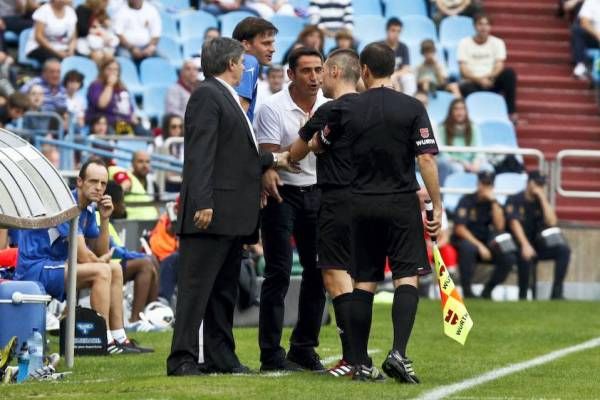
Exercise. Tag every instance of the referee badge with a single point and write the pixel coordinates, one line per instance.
(424, 132)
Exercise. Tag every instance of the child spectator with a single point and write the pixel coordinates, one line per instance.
(72, 82)
(344, 40)
(431, 74)
(17, 105)
(96, 38)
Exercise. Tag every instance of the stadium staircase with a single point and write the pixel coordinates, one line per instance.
(556, 111)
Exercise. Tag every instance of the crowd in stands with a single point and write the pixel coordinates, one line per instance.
(106, 105)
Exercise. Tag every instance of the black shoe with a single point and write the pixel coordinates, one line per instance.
(240, 369)
(399, 368)
(308, 360)
(131, 346)
(486, 294)
(367, 374)
(186, 369)
(281, 366)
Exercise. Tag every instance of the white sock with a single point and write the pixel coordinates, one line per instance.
(119, 335)
(109, 337)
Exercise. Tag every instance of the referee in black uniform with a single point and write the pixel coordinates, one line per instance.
(341, 73)
(386, 131)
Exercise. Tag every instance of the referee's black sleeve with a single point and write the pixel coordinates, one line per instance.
(422, 134)
(316, 123)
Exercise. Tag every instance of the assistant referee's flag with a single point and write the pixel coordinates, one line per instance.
(456, 319)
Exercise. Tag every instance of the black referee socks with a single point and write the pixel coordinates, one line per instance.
(404, 309)
(342, 308)
(360, 326)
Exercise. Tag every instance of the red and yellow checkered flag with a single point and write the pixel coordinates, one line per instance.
(457, 321)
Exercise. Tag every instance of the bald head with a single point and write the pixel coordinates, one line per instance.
(141, 164)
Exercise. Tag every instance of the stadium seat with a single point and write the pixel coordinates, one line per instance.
(84, 65)
(300, 3)
(173, 5)
(170, 49)
(169, 25)
(458, 180)
(230, 20)
(369, 28)
(418, 28)
(455, 28)
(328, 45)
(367, 7)
(192, 46)
(129, 75)
(22, 57)
(452, 58)
(438, 106)
(10, 37)
(282, 45)
(497, 133)
(402, 8)
(416, 58)
(509, 183)
(155, 71)
(154, 102)
(288, 26)
(194, 24)
(486, 106)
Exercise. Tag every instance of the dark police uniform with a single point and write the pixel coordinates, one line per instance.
(334, 175)
(386, 131)
(529, 213)
(476, 215)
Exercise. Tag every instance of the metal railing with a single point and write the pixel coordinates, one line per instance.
(558, 167)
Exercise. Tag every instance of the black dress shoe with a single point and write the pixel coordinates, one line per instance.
(240, 369)
(308, 360)
(283, 365)
(186, 369)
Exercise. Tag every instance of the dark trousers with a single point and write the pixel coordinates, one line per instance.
(505, 83)
(168, 276)
(561, 256)
(41, 54)
(207, 292)
(468, 256)
(296, 216)
(581, 40)
(16, 24)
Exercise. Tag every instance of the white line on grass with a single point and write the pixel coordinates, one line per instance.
(331, 359)
(445, 391)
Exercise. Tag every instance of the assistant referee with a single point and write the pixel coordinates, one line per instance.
(387, 130)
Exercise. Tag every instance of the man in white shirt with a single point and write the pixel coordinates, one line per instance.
(585, 35)
(481, 59)
(291, 211)
(138, 26)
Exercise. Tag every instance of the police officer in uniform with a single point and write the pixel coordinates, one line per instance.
(529, 214)
(478, 219)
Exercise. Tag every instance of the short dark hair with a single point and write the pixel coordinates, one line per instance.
(348, 61)
(393, 22)
(115, 191)
(19, 100)
(218, 53)
(166, 122)
(380, 59)
(251, 27)
(73, 75)
(274, 68)
(427, 45)
(295, 55)
(479, 17)
(92, 160)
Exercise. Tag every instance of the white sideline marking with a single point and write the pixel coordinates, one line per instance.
(444, 391)
(328, 360)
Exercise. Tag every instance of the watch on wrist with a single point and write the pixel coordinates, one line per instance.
(275, 160)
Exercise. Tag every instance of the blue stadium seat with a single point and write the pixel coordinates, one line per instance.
(402, 8)
(169, 25)
(84, 65)
(484, 106)
(10, 37)
(173, 5)
(154, 101)
(129, 75)
(230, 20)
(369, 28)
(288, 26)
(438, 106)
(418, 28)
(453, 65)
(416, 58)
(455, 28)
(458, 180)
(497, 133)
(367, 7)
(194, 24)
(192, 46)
(170, 49)
(329, 44)
(22, 57)
(155, 71)
(282, 45)
(509, 182)
(300, 3)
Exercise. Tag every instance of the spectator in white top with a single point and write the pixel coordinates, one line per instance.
(481, 59)
(272, 85)
(220, 7)
(446, 8)
(267, 8)
(54, 32)
(331, 15)
(585, 35)
(138, 26)
(179, 93)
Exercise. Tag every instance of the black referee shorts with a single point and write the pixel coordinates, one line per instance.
(334, 229)
(386, 225)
